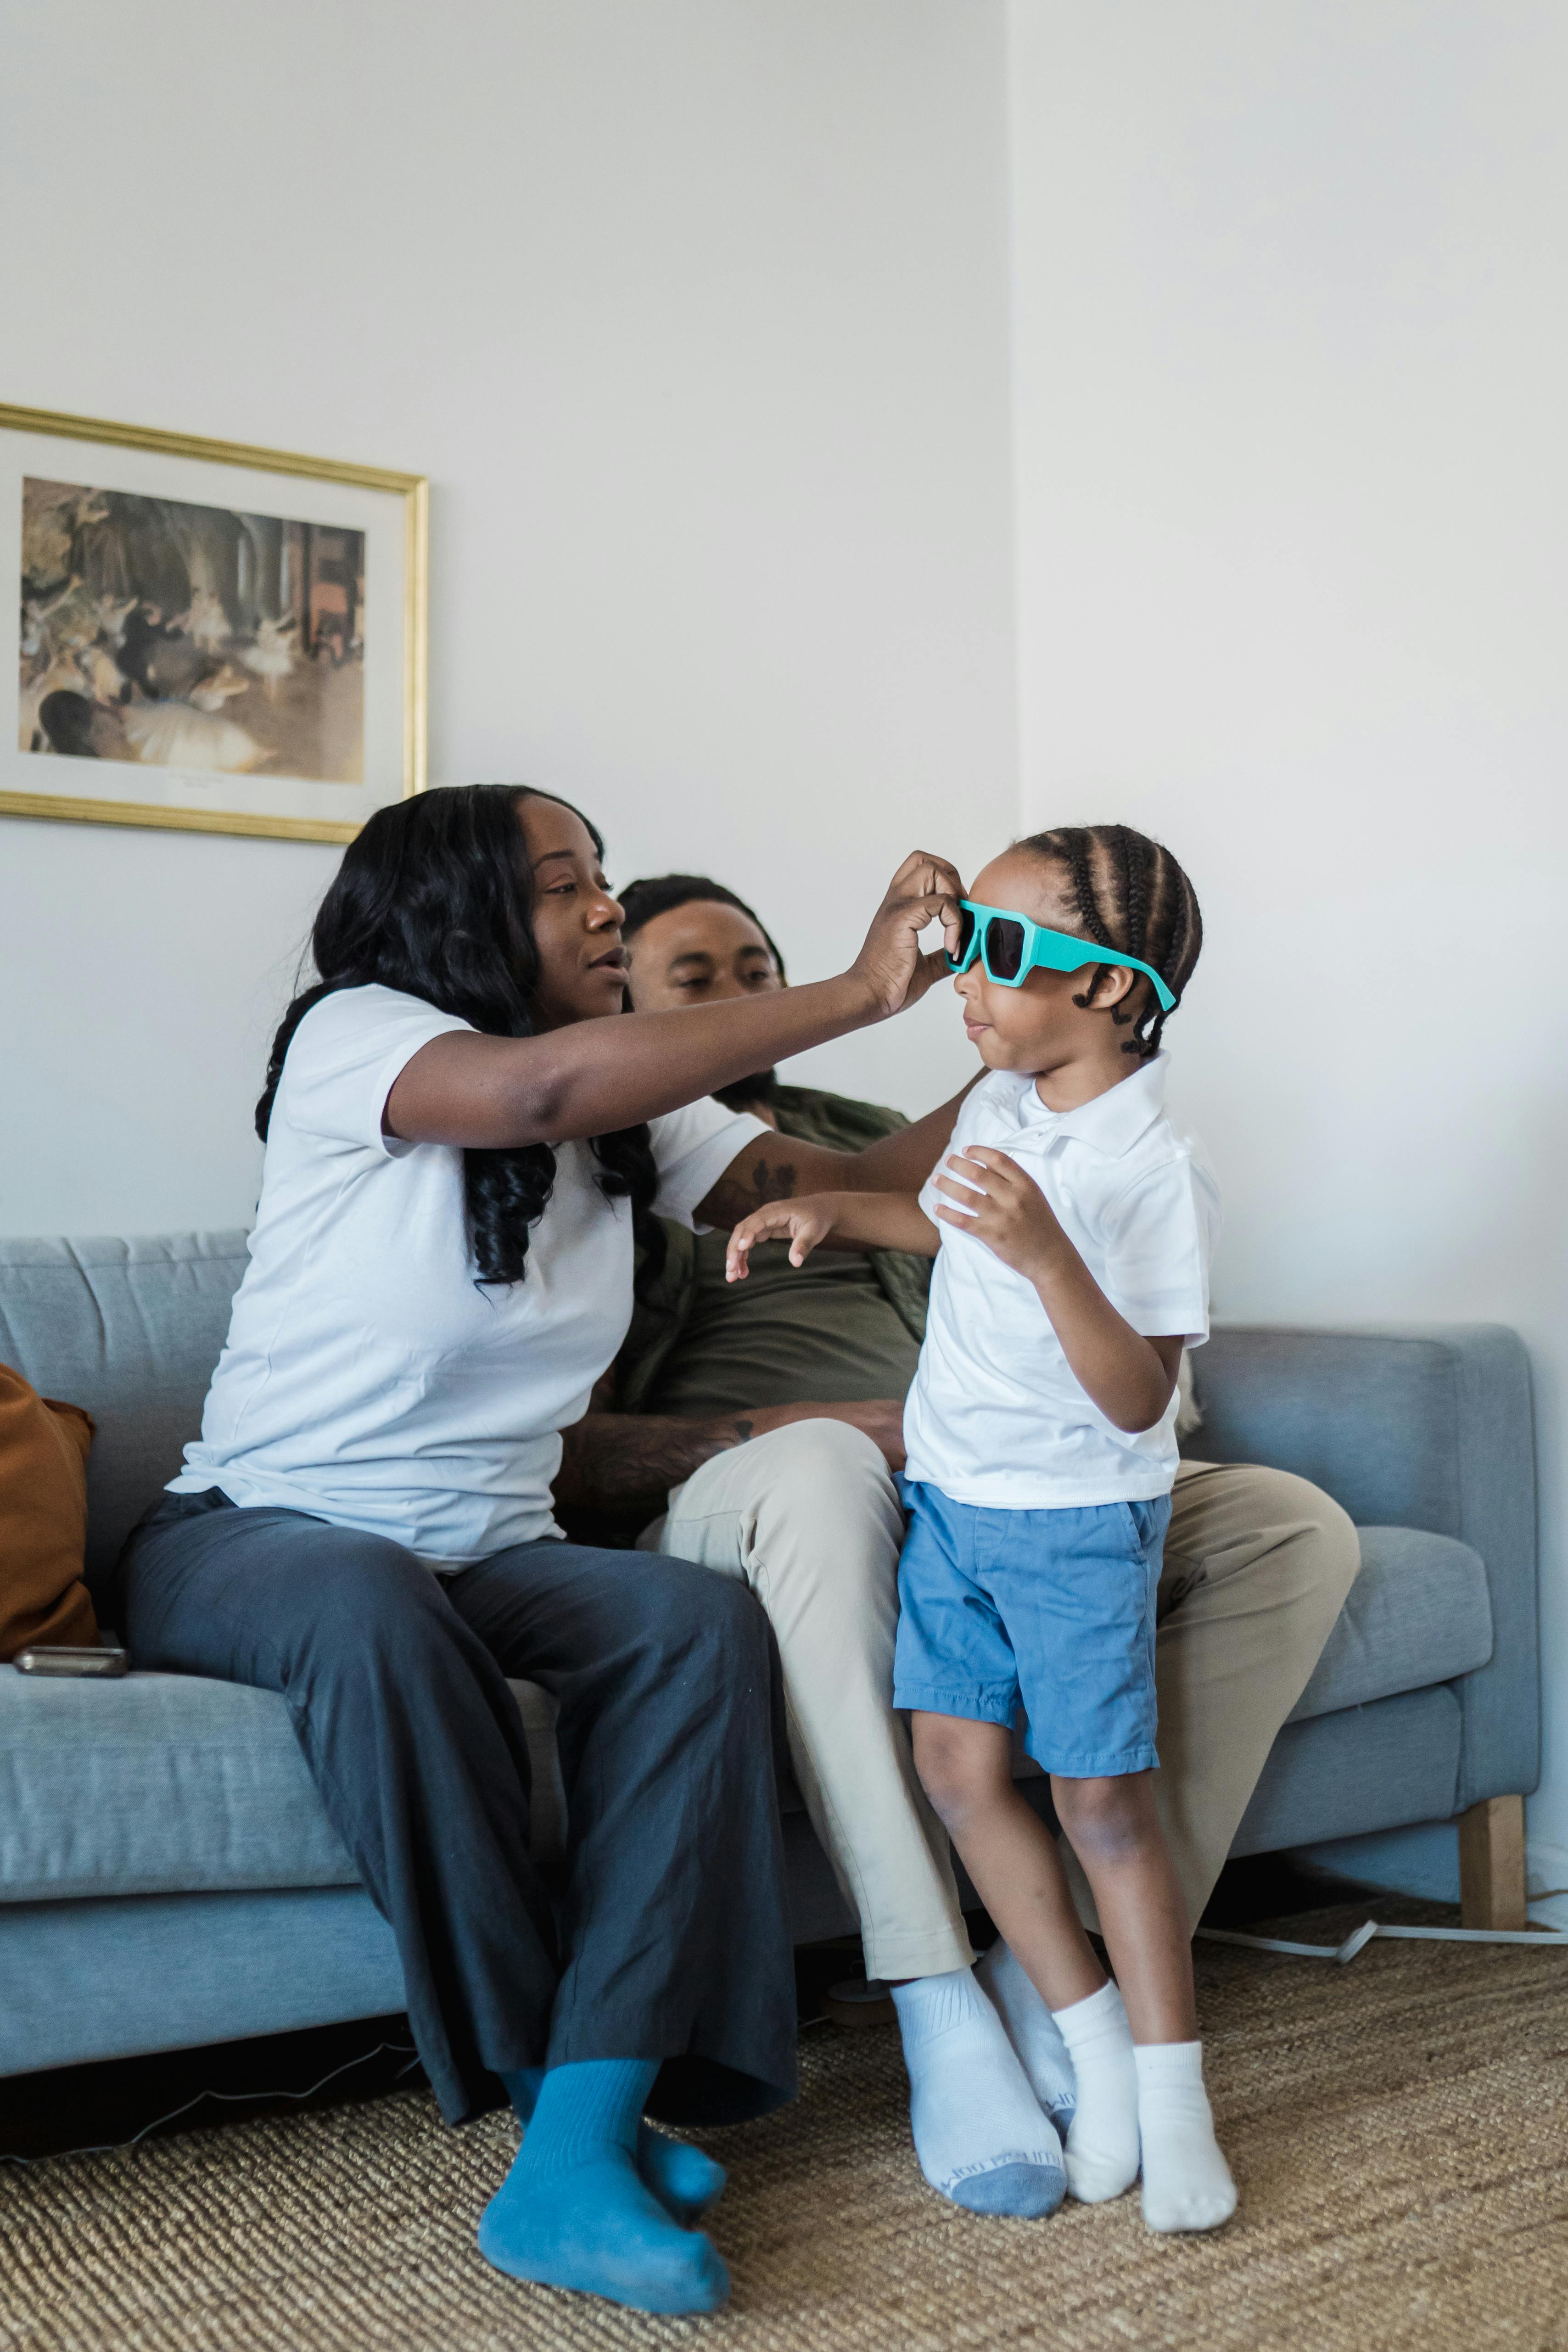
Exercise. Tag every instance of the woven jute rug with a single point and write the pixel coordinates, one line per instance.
(1398, 2127)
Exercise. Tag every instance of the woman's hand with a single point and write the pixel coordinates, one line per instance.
(1005, 1209)
(802, 1222)
(891, 964)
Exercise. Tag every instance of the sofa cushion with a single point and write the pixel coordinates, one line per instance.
(154, 1784)
(131, 1330)
(171, 1784)
(1419, 1613)
(1365, 1767)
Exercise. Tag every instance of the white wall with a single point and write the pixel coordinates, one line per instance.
(694, 312)
(697, 313)
(1292, 371)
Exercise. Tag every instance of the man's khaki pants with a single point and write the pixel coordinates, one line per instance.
(1258, 1565)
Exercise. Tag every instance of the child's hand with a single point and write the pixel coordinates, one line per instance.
(804, 1222)
(1005, 1209)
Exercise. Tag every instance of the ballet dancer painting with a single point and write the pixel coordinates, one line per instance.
(190, 637)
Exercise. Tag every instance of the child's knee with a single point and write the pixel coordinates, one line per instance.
(1107, 1820)
(958, 1763)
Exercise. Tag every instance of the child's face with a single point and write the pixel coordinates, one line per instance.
(1037, 1027)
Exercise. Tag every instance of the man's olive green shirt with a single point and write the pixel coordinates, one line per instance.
(845, 1327)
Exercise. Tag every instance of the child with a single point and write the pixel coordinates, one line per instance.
(1072, 1226)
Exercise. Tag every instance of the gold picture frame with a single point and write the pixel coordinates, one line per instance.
(239, 653)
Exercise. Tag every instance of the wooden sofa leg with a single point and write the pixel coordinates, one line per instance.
(1491, 1863)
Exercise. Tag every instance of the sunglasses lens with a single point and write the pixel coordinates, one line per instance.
(1004, 948)
(965, 940)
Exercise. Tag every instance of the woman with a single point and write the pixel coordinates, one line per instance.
(458, 1160)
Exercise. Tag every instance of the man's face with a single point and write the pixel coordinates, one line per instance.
(699, 954)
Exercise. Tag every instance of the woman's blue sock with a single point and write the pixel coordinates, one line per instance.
(574, 2212)
(685, 2181)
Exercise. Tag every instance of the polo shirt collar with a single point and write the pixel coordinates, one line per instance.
(1113, 1122)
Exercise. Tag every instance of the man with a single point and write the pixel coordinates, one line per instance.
(763, 1420)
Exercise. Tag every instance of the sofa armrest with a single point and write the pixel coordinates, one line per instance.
(1413, 1427)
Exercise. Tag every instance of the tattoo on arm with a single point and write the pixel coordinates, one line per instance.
(731, 1200)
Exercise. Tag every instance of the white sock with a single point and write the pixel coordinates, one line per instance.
(1103, 2142)
(980, 2135)
(1032, 2030)
(1186, 2180)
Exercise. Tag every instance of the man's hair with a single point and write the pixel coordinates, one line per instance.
(1132, 897)
(660, 893)
(657, 895)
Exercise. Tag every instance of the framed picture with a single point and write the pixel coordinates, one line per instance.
(207, 636)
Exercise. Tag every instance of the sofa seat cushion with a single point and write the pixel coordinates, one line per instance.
(1418, 1613)
(171, 1784)
(1366, 1768)
(154, 1784)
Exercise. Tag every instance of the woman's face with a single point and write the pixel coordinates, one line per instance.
(576, 923)
(699, 954)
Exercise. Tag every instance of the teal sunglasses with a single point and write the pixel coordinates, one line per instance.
(1011, 947)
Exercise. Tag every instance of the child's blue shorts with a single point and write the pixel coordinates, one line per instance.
(1052, 1608)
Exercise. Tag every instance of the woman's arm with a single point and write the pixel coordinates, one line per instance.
(839, 1220)
(593, 1077)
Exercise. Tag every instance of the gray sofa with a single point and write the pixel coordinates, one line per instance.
(167, 1877)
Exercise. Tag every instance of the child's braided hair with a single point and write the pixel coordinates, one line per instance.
(1133, 898)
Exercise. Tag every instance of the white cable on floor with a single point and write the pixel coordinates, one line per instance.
(1363, 1936)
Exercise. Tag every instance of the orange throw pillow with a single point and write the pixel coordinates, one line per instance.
(43, 1520)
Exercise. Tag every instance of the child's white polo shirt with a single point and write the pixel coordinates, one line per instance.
(996, 1416)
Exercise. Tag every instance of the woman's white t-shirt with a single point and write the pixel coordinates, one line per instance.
(367, 1378)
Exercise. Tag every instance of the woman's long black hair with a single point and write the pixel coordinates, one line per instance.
(435, 899)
